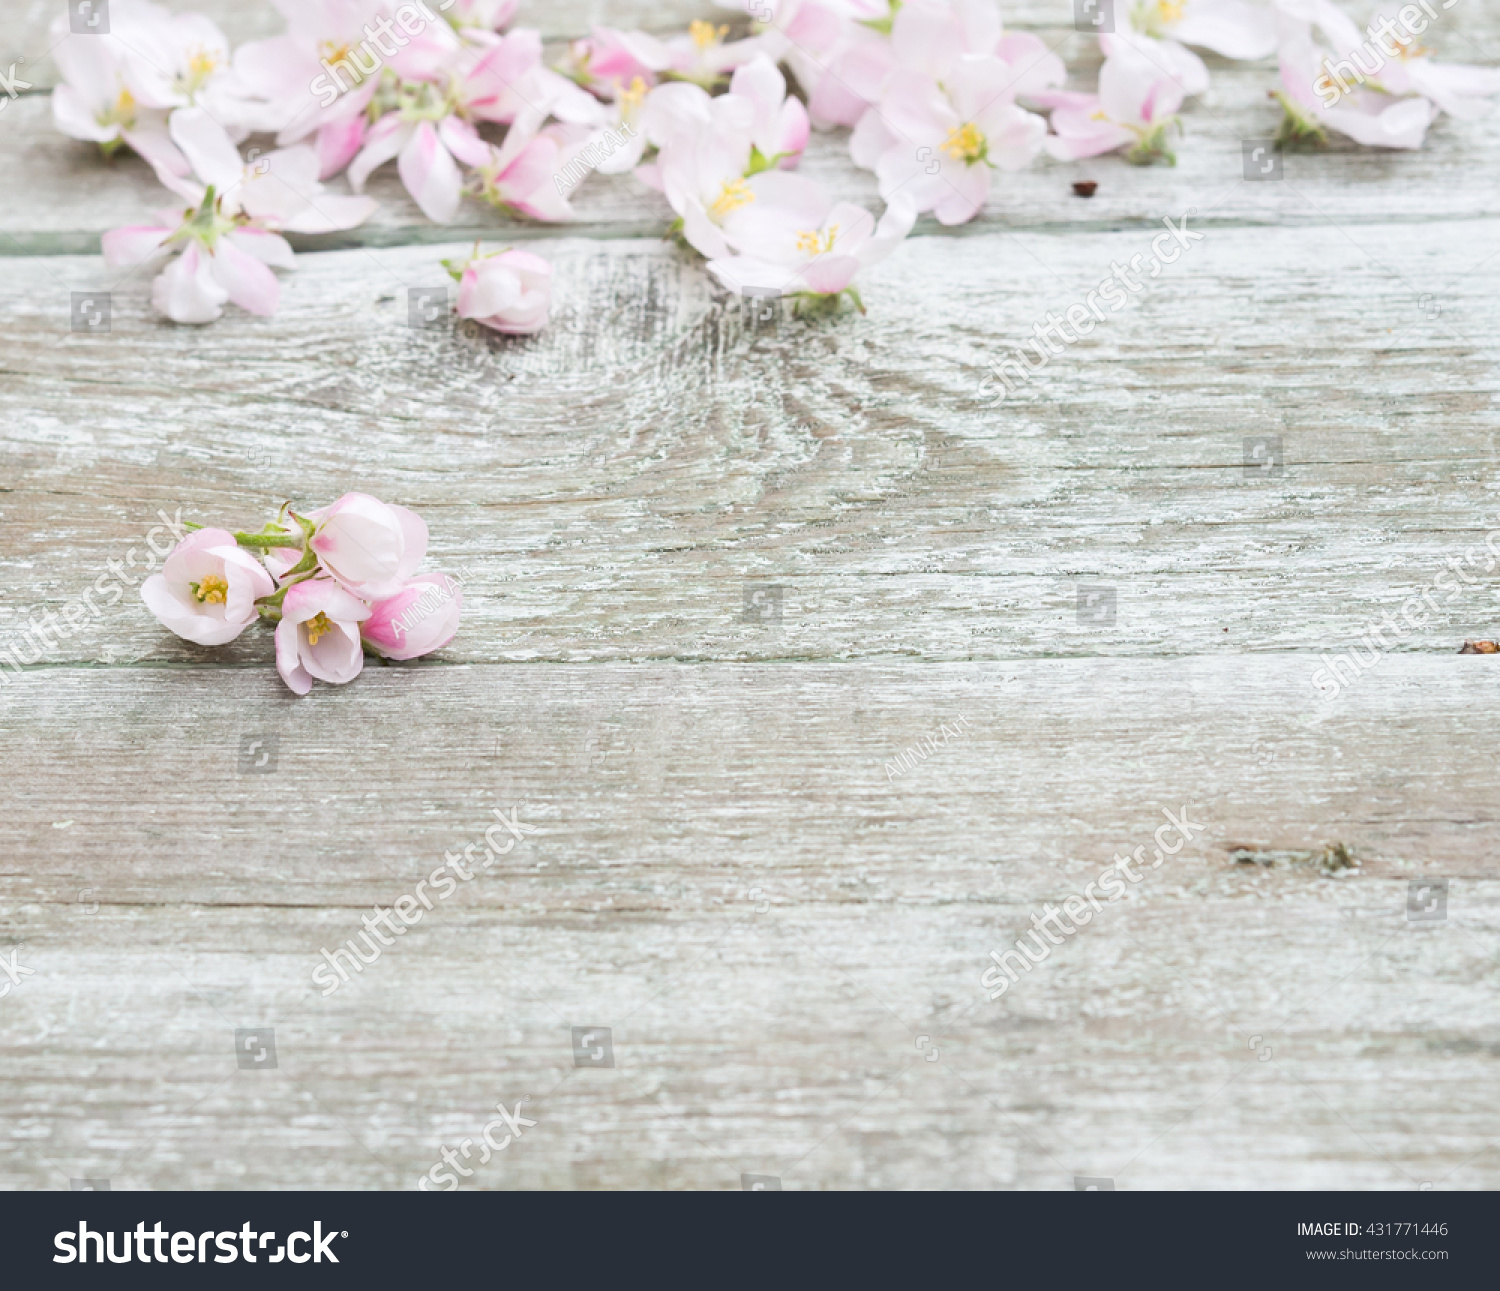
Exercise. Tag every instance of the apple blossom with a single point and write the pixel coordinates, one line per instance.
(1360, 87)
(701, 56)
(480, 20)
(702, 170)
(795, 240)
(368, 546)
(94, 102)
(946, 117)
(1135, 107)
(207, 589)
(420, 618)
(779, 126)
(1232, 28)
(286, 73)
(838, 50)
(942, 145)
(520, 175)
(169, 61)
(318, 636)
(228, 236)
(608, 60)
(430, 128)
(509, 291)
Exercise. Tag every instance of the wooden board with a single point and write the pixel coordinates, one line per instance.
(775, 929)
(781, 917)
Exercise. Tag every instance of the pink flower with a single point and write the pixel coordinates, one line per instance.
(165, 61)
(521, 174)
(795, 239)
(702, 165)
(227, 237)
(480, 20)
(207, 589)
(1173, 61)
(299, 95)
(1382, 89)
(608, 61)
(368, 546)
(941, 145)
(510, 79)
(94, 101)
(779, 127)
(946, 117)
(427, 155)
(700, 55)
(1232, 28)
(1136, 107)
(318, 636)
(420, 618)
(839, 51)
(509, 292)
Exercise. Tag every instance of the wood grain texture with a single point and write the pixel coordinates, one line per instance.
(614, 484)
(784, 933)
(674, 803)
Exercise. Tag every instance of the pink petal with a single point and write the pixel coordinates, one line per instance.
(250, 283)
(134, 244)
(289, 658)
(186, 291)
(337, 144)
(430, 175)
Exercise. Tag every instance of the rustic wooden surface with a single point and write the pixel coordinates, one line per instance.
(783, 934)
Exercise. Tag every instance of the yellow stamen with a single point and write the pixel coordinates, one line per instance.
(735, 194)
(631, 97)
(122, 113)
(201, 65)
(317, 627)
(705, 34)
(814, 243)
(965, 143)
(1170, 10)
(213, 590)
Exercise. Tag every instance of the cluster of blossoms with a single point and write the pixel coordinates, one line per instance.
(938, 96)
(336, 582)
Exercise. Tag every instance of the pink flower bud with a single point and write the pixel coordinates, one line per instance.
(509, 292)
(369, 546)
(419, 619)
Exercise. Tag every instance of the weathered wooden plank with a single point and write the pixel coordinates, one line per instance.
(71, 195)
(614, 484)
(674, 803)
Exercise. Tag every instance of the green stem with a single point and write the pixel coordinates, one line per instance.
(268, 541)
